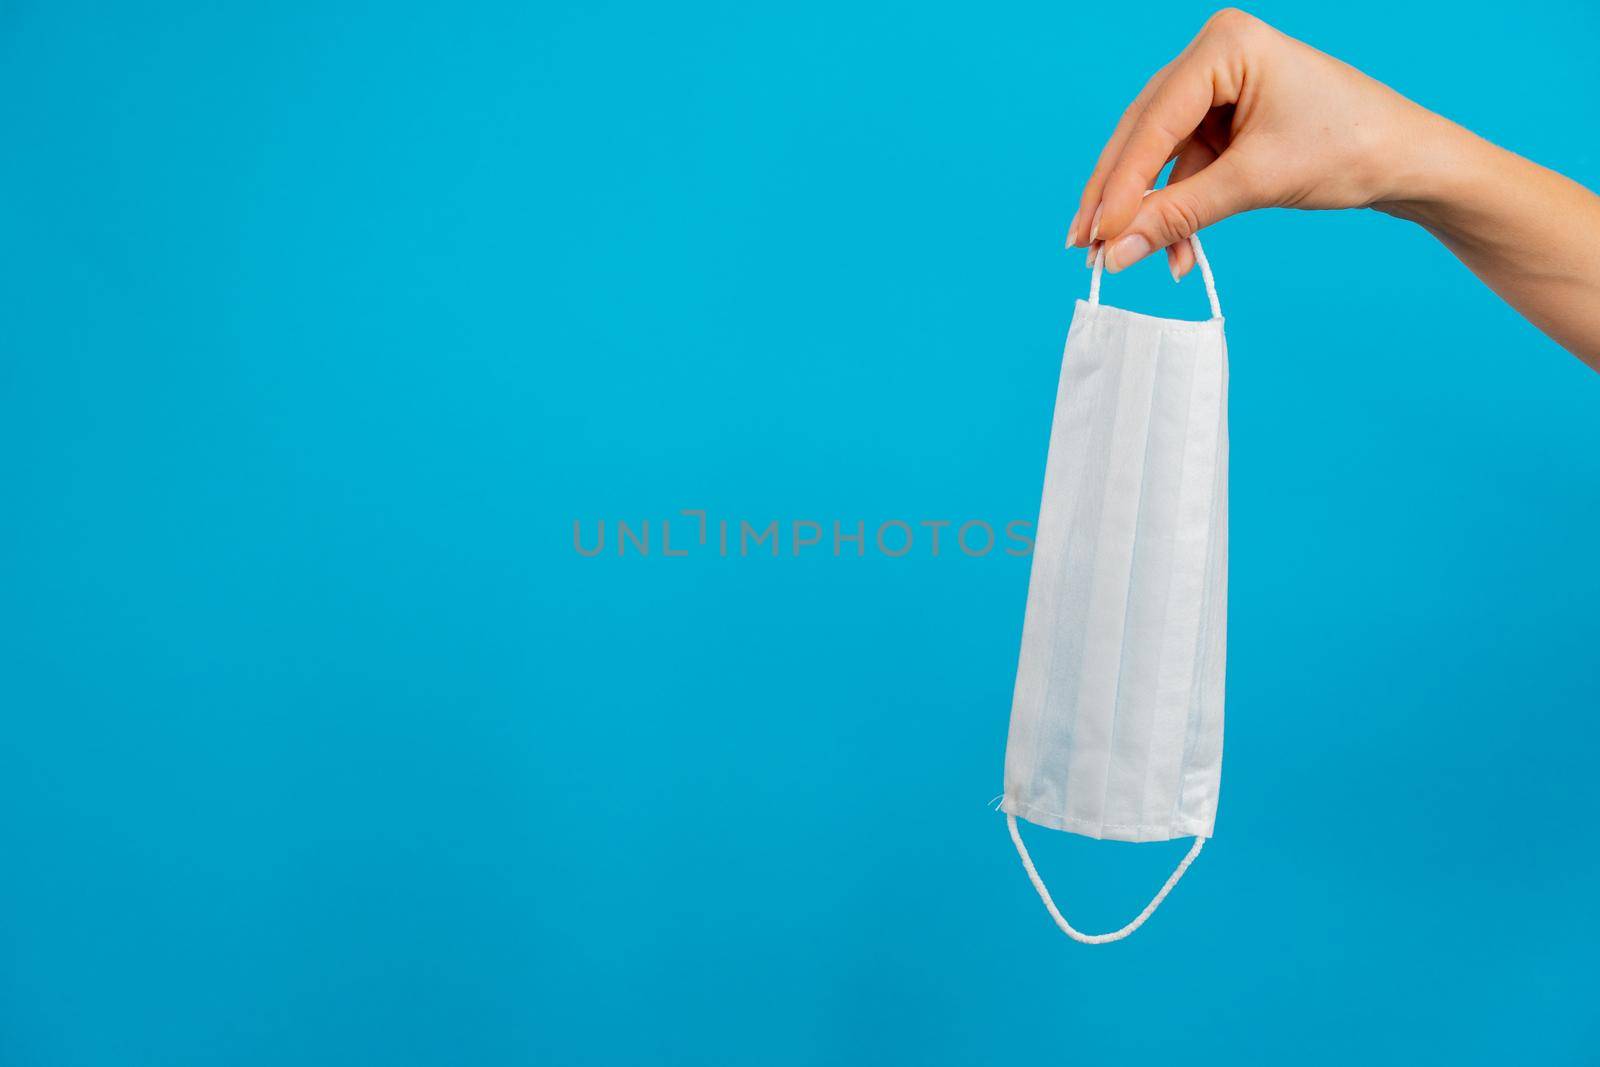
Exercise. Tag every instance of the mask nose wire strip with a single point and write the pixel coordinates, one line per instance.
(1199, 258)
(1066, 927)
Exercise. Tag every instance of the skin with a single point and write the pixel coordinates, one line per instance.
(1257, 119)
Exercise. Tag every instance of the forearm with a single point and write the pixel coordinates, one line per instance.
(1530, 234)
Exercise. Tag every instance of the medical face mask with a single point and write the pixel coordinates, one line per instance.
(1116, 722)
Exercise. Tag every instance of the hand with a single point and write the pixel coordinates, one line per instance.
(1256, 119)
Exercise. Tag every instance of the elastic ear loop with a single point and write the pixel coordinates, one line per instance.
(1066, 927)
(1199, 258)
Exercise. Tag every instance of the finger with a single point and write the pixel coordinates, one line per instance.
(1195, 157)
(1180, 260)
(1079, 232)
(1176, 212)
(1085, 225)
(1209, 74)
(1173, 114)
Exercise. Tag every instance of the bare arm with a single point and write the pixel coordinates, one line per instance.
(1257, 119)
(1532, 235)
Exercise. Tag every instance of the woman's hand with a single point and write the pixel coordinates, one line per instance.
(1257, 119)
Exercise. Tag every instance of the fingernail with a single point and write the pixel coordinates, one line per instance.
(1172, 269)
(1088, 260)
(1126, 252)
(1072, 230)
(1094, 226)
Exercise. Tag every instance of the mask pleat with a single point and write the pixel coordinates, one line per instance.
(1202, 763)
(1109, 532)
(1193, 544)
(1076, 475)
(1149, 588)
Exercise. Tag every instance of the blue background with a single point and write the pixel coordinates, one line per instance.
(322, 324)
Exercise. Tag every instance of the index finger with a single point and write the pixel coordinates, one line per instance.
(1089, 199)
(1175, 110)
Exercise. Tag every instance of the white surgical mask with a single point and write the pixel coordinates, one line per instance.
(1116, 723)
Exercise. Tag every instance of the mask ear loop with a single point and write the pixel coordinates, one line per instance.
(1199, 258)
(1115, 935)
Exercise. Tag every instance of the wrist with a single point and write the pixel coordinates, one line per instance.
(1435, 167)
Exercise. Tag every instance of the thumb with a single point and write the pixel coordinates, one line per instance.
(1177, 211)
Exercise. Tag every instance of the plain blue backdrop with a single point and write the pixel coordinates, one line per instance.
(321, 326)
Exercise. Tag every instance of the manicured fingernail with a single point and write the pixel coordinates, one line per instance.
(1126, 252)
(1172, 269)
(1094, 225)
(1088, 260)
(1072, 230)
